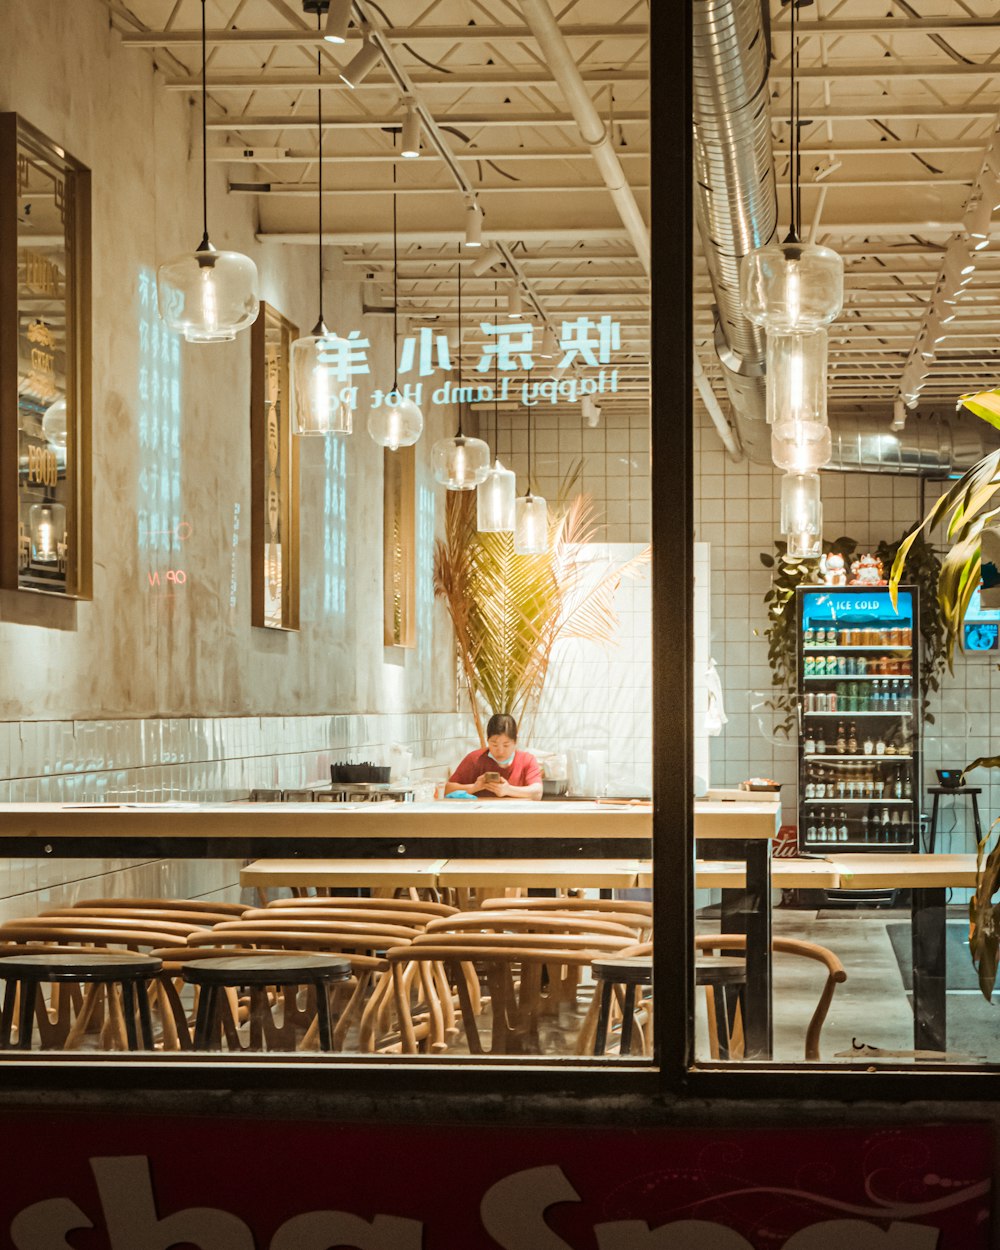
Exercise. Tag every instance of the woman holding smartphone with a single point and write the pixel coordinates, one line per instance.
(501, 771)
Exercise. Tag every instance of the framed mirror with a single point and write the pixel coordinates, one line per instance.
(45, 350)
(274, 455)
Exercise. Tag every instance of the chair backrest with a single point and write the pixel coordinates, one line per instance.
(166, 904)
(635, 906)
(386, 904)
(174, 957)
(514, 921)
(835, 974)
(375, 914)
(109, 924)
(278, 938)
(169, 915)
(387, 933)
(88, 934)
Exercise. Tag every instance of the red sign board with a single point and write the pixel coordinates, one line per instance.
(103, 1183)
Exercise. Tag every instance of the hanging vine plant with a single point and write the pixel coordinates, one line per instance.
(922, 571)
(787, 576)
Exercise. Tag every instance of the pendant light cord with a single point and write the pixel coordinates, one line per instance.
(459, 434)
(204, 246)
(793, 119)
(395, 275)
(319, 162)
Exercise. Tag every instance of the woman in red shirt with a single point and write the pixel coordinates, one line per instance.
(518, 772)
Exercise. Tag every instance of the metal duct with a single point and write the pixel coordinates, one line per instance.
(736, 211)
(931, 444)
(735, 193)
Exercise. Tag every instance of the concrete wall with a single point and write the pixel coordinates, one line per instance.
(130, 653)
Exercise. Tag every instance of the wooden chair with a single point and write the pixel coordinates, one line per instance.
(835, 974)
(513, 966)
(373, 914)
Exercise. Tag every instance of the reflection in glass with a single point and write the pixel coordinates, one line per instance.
(48, 532)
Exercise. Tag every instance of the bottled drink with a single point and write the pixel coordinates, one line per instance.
(811, 830)
(810, 788)
(852, 739)
(879, 788)
(907, 786)
(842, 827)
(809, 746)
(868, 745)
(880, 746)
(852, 787)
(821, 830)
(864, 827)
(841, 787)
(886, 826)
(807, 636)
(897, 784)
(841, 739)
(820, 743)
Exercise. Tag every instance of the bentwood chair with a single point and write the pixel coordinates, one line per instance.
(515, 968)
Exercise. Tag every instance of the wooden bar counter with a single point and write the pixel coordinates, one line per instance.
(444, 828)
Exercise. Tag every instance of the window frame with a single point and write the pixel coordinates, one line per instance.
(671, 1075)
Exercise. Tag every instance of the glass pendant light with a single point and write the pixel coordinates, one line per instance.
(206, 295)
(320, 361)
(796, 376)
(792, 285)
(802, 514)
(398, 422)
(460, 463)
(496, 495)
(48, 525)
(801, 446)
(54, 423)
(531, 520)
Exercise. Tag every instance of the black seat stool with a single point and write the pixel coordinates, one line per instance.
(631, 972)
(256, 973)
(970, 792)
(118, 968)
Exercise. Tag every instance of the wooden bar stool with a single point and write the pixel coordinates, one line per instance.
(257, 972)
(102, 969)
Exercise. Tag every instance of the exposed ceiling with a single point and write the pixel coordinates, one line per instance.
(505, 126)
(898, 103)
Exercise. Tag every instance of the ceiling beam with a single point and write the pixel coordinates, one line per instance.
(466, 76)
(886, 69)
(310, 190)
(243, 154)
(833, 27)
(533, 236)
(396, 34)
(361, 121)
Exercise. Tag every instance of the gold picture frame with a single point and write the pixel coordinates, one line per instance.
(274, 475)
(399, 585)
(45, 365)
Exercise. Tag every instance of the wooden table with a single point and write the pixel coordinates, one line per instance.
(927, 877)
(370, 874)
(542, 874)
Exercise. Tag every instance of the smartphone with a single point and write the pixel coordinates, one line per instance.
(491, 776)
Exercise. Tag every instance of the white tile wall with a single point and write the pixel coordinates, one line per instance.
(866, 507)
(205, 759)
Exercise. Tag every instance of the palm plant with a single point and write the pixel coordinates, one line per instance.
(508, 611)
(965, 510)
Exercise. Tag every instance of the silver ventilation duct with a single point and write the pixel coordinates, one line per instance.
(736, 211)
(931, 445)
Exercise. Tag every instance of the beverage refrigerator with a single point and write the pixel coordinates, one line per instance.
(859, 719)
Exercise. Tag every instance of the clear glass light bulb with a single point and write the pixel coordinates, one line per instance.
(209, 301)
